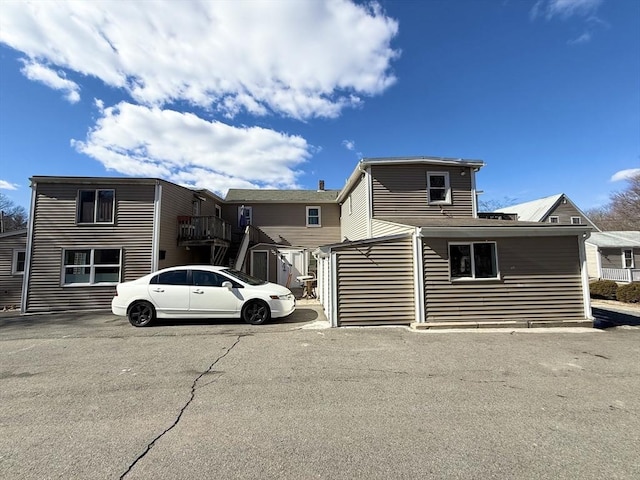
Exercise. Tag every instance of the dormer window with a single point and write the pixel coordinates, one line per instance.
(438, 189)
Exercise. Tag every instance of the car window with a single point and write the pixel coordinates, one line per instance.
(244, 277)
(202, 278)
(173, 277)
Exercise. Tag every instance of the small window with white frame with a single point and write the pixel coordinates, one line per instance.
(313, 217)
(91, 266)
(472, 261)
(18, 262)
(627, 258)
(554, 219)
(438, 189)
(96, 206)
(576, 220)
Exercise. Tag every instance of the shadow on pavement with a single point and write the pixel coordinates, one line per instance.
(609, 318)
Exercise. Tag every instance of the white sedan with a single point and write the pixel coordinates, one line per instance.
(201, 291)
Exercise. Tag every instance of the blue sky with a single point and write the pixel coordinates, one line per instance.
(281, 94)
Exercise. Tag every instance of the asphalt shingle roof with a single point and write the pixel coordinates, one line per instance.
(238, 195)
(630, 238)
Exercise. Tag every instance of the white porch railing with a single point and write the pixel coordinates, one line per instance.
(627, 275)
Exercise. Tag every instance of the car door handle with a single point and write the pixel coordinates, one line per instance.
(159, 290)
(199, 292)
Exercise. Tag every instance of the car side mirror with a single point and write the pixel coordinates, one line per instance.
(227, 285)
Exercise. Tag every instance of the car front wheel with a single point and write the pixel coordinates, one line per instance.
(141, 314)
(256, 312)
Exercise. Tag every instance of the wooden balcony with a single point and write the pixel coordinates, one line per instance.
(203, 230)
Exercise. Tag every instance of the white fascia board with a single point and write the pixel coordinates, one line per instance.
(26, 277)
(495, 232)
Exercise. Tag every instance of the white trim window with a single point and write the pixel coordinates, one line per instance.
(627, 258)
(96, 206)
(18, 261)
(245, 216)
(313, 217)
(554, 219)
(91, 266)
(576, 220)
(471, 261)
(438, 188)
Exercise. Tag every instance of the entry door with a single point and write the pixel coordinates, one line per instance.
(260, 264)
(291, 262)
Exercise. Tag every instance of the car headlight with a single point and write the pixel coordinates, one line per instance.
(288, 296)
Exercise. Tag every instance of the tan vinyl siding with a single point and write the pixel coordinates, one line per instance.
(355, 224)
(177, 201)
(55, 229)
(401, 190)
(541, 280)
(592, 260)
(375, 283)
(381, 228)
(285, 223)
(10, 284)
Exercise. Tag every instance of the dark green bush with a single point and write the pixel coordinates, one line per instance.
(629, 293)
(603, 289)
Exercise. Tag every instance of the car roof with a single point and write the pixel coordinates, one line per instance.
(215, 268)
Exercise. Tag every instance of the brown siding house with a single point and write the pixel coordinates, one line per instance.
(12, 263)
(87, 234)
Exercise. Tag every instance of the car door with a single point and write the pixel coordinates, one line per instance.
(169, 291)
(208, 298)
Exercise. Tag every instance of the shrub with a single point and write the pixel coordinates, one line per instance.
(603, 289)
(629, 293)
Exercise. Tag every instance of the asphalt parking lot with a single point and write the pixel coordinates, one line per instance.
(89, 396)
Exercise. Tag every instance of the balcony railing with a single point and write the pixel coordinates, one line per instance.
(202, 229)
(621, 274)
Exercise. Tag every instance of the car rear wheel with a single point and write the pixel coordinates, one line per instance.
(141, 314)
(256, 312)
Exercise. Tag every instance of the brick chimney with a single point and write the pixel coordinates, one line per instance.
(321, 185)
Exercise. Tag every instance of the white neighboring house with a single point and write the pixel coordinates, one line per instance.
(558, 209)
(614, 256)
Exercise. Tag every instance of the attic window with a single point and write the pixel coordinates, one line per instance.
(554, 219)
(576, 220)
(438, 189)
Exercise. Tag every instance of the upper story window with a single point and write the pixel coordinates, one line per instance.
(96, 206)
(627, 258)
(473, 260)
(313, 217)
(438, 189)
(91, 266)
(576, 220)
(554, 219)
(245, 216)
(18, 262)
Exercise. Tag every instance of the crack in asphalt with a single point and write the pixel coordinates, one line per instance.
(182, 410)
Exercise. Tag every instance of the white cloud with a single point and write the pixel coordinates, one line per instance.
(298, 59)
(52, 79)
(349, 144)
(181, 147)
(4, 185)
(625, 174)
(565, 8)
(584, 38)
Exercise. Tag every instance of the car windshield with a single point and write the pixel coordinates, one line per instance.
(243, 276)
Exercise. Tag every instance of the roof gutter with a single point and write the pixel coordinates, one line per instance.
(501, 232)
